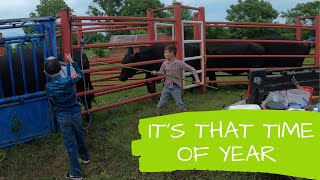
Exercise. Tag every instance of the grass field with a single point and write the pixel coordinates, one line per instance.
(109, 139)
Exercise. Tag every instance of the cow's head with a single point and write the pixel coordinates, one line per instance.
(130, 57)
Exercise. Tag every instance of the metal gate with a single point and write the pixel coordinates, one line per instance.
(24, 109)
(201, 57)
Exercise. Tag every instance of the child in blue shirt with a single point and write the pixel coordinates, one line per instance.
(68, 111)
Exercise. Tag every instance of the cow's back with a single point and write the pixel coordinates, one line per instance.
(283, 49)
(18, 74)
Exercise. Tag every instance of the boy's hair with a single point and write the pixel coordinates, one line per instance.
(171, 49)
(52, 66)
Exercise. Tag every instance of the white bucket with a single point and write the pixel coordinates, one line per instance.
(245, 106)
(298, 98)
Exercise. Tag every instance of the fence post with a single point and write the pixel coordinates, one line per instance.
(317, 45)
(178, 34)
(65, 32)
(1, 48)
(178, 29)
(298, 29)
(204, 48)
(151, 29)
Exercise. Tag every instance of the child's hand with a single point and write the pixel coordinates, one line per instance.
(198, 82)
(154, 72)
(68, 57)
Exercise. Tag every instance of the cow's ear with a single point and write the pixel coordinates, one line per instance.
(130, 50)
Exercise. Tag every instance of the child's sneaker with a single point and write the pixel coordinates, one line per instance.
(83, 161)
(69, 176)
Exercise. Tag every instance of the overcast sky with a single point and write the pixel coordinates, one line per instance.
(215, 9)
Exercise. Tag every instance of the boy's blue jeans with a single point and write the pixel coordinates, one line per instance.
(175, 92)
(74, 140)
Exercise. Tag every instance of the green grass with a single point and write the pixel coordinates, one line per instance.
(109, 141)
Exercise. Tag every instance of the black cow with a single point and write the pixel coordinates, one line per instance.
(153, 53)
(223, 48)
(30, 74)
(283, 49)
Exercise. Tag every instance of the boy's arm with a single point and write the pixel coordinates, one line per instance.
(160, 72)
(191, 69)
(78, 72)
(76, 68)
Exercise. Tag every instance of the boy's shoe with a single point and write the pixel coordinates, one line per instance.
(182, 110)
(69, 176)
(158, 112)
(83, 161)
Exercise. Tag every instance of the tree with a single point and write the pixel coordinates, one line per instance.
(136, 8)
(252, 11)
(47, 8)
(302, 10)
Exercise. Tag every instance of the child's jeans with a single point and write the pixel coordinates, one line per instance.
(74, 140)
(175, 92)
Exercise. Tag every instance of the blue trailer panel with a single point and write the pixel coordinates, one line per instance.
(23, 121)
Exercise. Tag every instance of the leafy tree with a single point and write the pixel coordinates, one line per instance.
(252, 11)
(49, 8)
(97, 38)
(218, 33)
(136, 8)
(302, 10)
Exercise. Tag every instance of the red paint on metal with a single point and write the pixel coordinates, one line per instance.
(1, 48)
(258, 41)
(121, 103)
(151, 30)
(253, 56)
(203, 19)
(65, 31)
(298, 29)
(120, 44)
(317, 45)
(189, 7)
(119, 86)
(79, 33)
(161, 9)
(119, 18)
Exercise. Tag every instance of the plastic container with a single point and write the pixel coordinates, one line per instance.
(310, 90)
(272, 105)
(298, 98)
(245, 106)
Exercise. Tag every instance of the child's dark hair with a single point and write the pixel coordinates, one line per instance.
(52, 66)
(171, 49)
